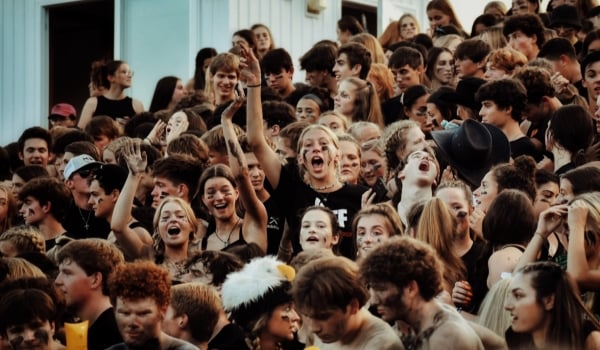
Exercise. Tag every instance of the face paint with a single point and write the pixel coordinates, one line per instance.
(163, 195)
(42, 335)
(16, 342)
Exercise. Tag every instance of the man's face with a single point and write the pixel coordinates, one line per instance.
(387, 297)
(75, 284)
(35, 152)
(330, 326)
(224, 84)
(138, 320)
(407, 76)
(35, 335)
(257, 174)
(32, 212)
(163, 187)
(280, 82)
(61, 163)
(342, 68)
(526, 45)
(491, 114)
(591, 80)
(317, 78)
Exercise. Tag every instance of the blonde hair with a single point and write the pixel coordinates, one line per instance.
(492, 314)
(159, 245)
(19, 268)
(366, 103)
(25, 238)
(381, 76)
(494, 37)
(11, 210)
(339, 115)
(372, 44)
(408, 15)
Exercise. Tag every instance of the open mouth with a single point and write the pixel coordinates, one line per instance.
(313, 239)
(172, 231)
(221, 206)
(317, 163)
(424, 166)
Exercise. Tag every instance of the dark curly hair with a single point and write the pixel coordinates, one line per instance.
(519, 175)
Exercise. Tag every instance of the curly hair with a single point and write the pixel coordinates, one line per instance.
(394, 137)
(508, 59)
(505, 93)
(401, 260)
(537, 82)
(139, 280)
(518, 175)
(218, 263)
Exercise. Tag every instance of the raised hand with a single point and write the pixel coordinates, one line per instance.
(578, 212)
(550, 219)
(135, 158)
(249, 66)
(234, 106)
(157, 133)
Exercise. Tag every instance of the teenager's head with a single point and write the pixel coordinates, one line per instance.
(353, 59)
(319, 228)
(35, 144)
(318, 63)
(44, 196)
(507, 95)
(176, 175)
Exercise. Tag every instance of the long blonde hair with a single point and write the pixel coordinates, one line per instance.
(159, 245)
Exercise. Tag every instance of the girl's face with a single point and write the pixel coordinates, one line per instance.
(318, 154)
(175, 121)
(408, 28)
(122, 76)
(350, 162)
(373, 167)
(444, 68)
(17, 185)
(566, 191)
(437, 18)
(174, 226)
(263, 40)
(545, 197)
(436, 116)
(418, 113)
(284, 322)
(239, 41)
(316, 231)
(333, 122)
(521, 7)
(179, 92)
(486, 192)
(3, 205)
(220, 197)
(493, 72)
(109, 157)
(102, 204)
(527, 314)
(345, 99)
(371, 231)
(415, 141)
(307, 109)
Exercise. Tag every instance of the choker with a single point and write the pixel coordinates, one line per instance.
(323, 188)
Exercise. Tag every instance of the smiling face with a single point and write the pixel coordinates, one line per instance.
(444, 68)
(138, 320)
(316, 231)
(493, 72)
(373, 167)
(342, 68)
(527, 314)
(371, 231)
(174, 226)
(35, 152)
(220, 197)
(437, 18)
(224, 84)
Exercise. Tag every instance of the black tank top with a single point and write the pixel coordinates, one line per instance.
(115, 108)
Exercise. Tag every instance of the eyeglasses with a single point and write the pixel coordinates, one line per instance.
(56, 118)
(85, 173)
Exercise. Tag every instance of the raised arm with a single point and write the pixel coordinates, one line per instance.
(586, 276)
(127, 238)
(267, 157)
(547, 223)
(87, 112)
(254, 227)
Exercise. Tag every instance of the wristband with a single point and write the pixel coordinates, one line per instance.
(254, 86)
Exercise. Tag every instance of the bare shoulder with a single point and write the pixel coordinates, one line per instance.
(592, 341)
(377, 334)
(455, 335)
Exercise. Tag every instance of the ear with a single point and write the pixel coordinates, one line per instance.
(183, 321)
(356, 69)
(335, 239)
(548, 302)
(96, 278)
(114, 195)
(401, 175)
(508, 111)
(162, 310)
(182, 190)
(300, 158)
(412, 289)
(46, 207)
(353, 307)
(20, 155)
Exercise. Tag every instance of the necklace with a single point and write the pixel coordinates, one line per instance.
(86, 221)
(228, 240)
(323, 188)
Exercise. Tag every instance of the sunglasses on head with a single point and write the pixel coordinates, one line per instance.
(56, 118)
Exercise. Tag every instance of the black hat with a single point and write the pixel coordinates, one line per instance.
(472, 149)
(464, 94)
(565, 15)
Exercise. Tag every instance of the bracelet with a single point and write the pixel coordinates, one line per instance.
(254, 86)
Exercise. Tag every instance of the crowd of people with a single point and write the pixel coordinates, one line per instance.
(427, 189)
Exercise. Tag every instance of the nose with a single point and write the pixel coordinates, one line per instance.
(91, 201)
(477, 192)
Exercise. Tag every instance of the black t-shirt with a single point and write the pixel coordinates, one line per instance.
(275, 223)
(475, 261)
(231, 337)
(344, 203)
(104, 333)
(81, 223)
(392, 110)
(524, 146)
